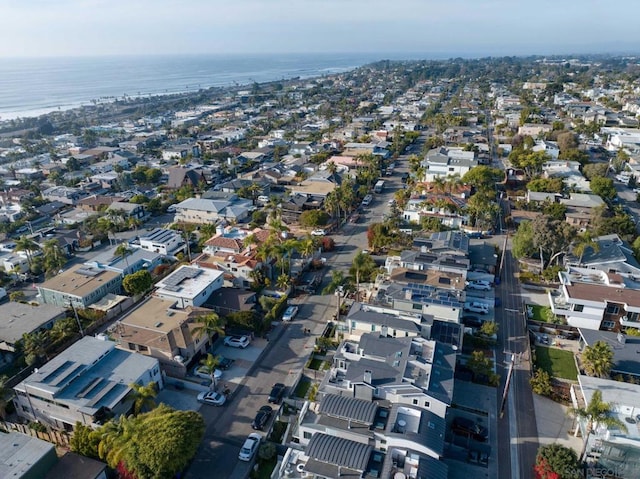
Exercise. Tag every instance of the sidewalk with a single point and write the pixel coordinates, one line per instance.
(555, 424)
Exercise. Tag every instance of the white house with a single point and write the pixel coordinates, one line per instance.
(189, 285)
(443, 162)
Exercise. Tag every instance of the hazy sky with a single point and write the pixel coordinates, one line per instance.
(461, 27)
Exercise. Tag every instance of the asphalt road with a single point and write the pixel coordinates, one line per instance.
(517, 429)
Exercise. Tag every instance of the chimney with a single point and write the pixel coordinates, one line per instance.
(367, 376)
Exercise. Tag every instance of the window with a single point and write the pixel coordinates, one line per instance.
(417, 306)
(578, 307)
(612, 309)
(373, 328)
(307, 435)
(353, 325)
(427, 404)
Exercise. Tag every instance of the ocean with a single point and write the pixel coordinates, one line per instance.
(35, 86)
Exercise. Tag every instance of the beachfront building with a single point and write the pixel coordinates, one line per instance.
(87, 383)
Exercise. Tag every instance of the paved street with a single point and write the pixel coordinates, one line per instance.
(518, 434)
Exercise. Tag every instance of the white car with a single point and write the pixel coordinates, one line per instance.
(201, 372)
(318, 232)
(479, 284)
(476, 307)
(250, 447)
(211, 397)
(290, 313)
(237, 341)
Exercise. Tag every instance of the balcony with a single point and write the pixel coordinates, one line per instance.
(625, 321)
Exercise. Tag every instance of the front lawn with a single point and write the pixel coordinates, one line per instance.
(557, 362)
(538, 313)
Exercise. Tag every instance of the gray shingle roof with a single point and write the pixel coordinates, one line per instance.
(339, 451)
(349, 408)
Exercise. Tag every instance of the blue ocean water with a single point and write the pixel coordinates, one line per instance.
(33, 86)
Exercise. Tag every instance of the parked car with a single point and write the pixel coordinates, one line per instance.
(262, 417)
(225, 363)
(472, 321)
(212, 398)
(237, 341)
(466, 427)
(476, 307)
(290, 313)
(479, 284)
(277, 391)
(201, 372)
(250, 447)
(318, 232)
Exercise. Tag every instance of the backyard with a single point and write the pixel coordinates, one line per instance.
(557, 362)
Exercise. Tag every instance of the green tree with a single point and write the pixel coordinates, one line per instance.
(546, 185)
(84, 441)
(34, 346)
(555, 461)
(556, 211)
(597, 359)
(336, 285)
(54, 257)
(6, 393)
(138, 282)
(144, 397)
(603, 187)
(17, 296)
(541, 383)
(28, 246)
(313, 218)
(208, 325)
(482, 367)
(489, 328)
(582, 243)
(483, 177)
(362, 265)
(551, 237)
(594, 170)
(210, 365)
(597, 412)
(567, 141)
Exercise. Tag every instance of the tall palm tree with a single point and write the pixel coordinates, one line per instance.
(208, 325)
(210, 365)
(28, 246)
(143, 397)
(596, 413)
(250, 240)
(54, 257)
(438, 184)
(597, 359)
(335, 285)
(34, 345)
(123, 250)
(288, 247)
(582, 243)
(332, 168)
(115, 439)
(307, 246)
(359, 262)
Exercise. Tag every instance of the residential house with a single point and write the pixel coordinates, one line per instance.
(77, 466)
(609, 447)
(625, 361)
(181, 176)
(211, 211)
(593, 299)
(237, 268)
(548, 147)
(189, 285)
(231, 300)
(14, 263)
(580, 208)
(96, 203)
(313, 187)
(159, 329)
(64, 194)
(89, 382)
(26, 457)
(443, 162)
(534, 129)
(612, 255)
(80, 286)
(162, 241)
(178, 152)
(128, 210)
(136, 259)
(17, 319)
(293, 206)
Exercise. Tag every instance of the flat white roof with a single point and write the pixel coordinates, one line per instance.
(187, 281)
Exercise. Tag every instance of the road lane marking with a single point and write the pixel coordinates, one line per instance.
(511, 310)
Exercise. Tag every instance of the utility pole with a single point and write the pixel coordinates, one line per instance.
(506, 385)
(75, 313)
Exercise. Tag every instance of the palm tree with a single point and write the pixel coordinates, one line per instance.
(64, 328)
(123, 250)
(598, 359)
(596, 413)
(283, 282)
(34, 345)
(336, 285)
(250, 240)
(210, 365)
(208, 325)
(359, 262)
(288, 247)
(28, 246)
(115, 439)
(332, 168)
(54, 257)
(582, 243)
(143, 397)
(307, 246)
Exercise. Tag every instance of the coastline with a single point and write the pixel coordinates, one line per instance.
(72, 85)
